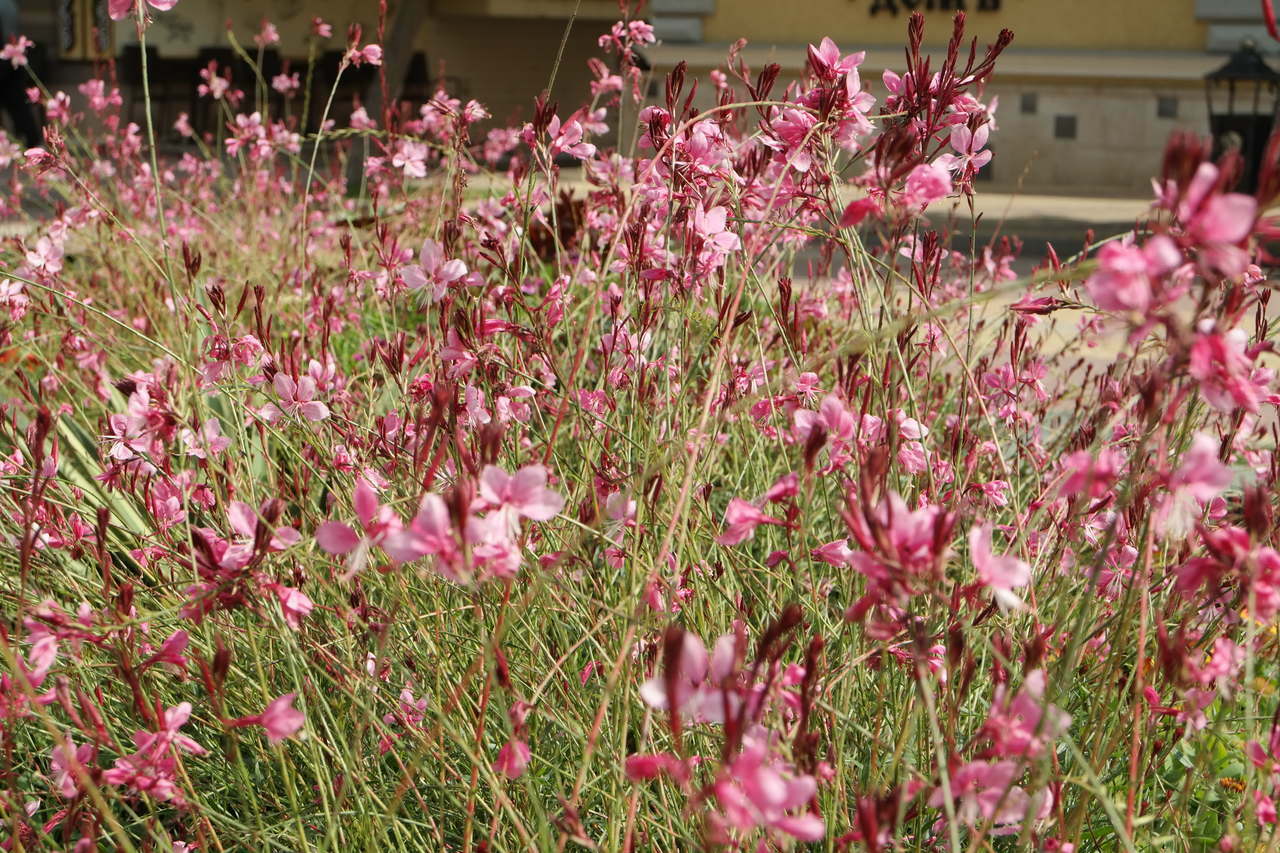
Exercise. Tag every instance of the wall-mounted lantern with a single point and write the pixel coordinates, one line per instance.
(1242, 99)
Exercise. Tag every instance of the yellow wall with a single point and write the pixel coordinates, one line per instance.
(1085, 24)
(503, 62)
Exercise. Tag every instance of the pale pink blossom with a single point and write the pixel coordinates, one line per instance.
(513, 758)
(926, 183)
(1003, 573)
(433, 270)
(297, 399)
(121, 9)
(740, 521)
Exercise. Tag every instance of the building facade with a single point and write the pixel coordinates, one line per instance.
(1088, 92)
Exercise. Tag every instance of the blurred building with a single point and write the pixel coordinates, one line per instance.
(1088, 93)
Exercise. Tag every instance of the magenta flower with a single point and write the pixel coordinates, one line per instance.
(121, 9)
(741, 518)
(760, 790)
(523, 493)
(1199, 479)
(1002, 574)
(513, 758)
(280, 719)
(926, 183)
(377, 520)
(433, 270)
(297, 399)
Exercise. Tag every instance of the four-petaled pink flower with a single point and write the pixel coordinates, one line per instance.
(378, 521)
(513, 758)
(297, 398)
(740, 521)
(1001, 573)
(433, 270)
(523, 493)
(926, 183)
(759, 790)
(710, 226)
(970, 150)
(696, 690)
(121, 9)
(15, 51)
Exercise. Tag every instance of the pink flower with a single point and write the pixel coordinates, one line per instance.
(697, 688)
(121, 9)
(281, 719)
(15, 52)
(1224, 366)
(64, 760)
(1025, 725)
(295, 605)
(740, 521)
(267, 35)
(710, 226)
(985, 792)
(969, 146)
(1215, 222)
(1264, 808)
(370, 53)
(209, 441)
(297, 398)
(321, 28)
(1002, 574)
(1088, 476)
(152, 768)
(827, 63)
(432, 269)
(430, 533)
(377, 520)
(569, 138)
(759, 789)
(513, 758)
(858, 210)
(1199, 479)
(926, 183)
(170, 652)
(286, 84)
(639, 768)
(1125, 275)
(523, 493)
